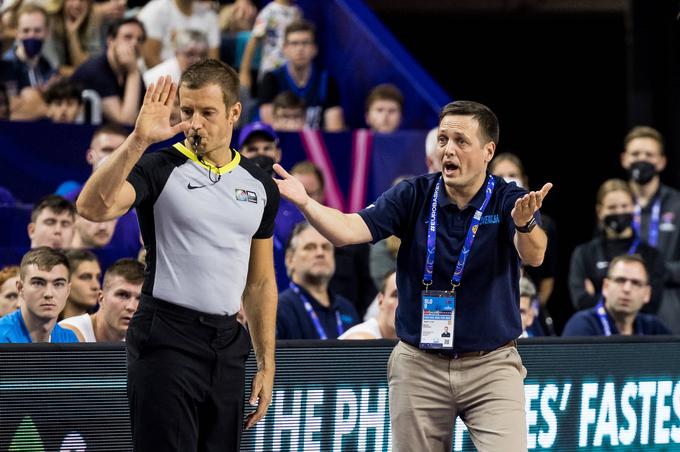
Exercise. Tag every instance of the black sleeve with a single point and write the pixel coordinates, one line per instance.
(266, 229)
(268, 89)
(656, 269)
(389, 214)
(333, 94)
(149, 175)
(577, 276)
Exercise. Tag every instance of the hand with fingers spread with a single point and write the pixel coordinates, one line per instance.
(260, 395)
(153, 122)
(527, 205)
(290, 187)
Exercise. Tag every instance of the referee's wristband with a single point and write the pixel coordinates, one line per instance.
(527, 227)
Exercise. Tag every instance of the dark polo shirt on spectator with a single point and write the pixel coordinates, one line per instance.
(587, 323)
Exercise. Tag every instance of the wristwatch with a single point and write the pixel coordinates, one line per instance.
(527, 227)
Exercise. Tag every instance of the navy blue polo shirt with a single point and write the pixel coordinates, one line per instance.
(293, 322)
(487, 306)
(587, 323)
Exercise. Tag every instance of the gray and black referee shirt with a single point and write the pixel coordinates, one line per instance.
(198, 229)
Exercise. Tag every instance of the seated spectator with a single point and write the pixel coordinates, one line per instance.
(625, 290)
(589, 262)
(117, 304)
(51, 223)
(383, 257)
(433, 154)
(106, 13)
(259, 138)
(43, 288)
(268, 31)
(382, 326)
(86, 275)
(527, 294)
(89, 234)
(288, 112)
(191, 46)
(384, 106)
(163, 19)
(9, 293)
(307, 309)
(74, 34)
(64, 101)
(114, 75)
(299, 75)
(312, 178)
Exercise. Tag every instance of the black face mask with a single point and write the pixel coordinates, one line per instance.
(641, 172)
(618, 222)
(264, 162)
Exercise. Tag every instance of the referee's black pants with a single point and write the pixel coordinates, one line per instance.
(186, 379)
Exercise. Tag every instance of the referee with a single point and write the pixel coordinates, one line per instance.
(206, 217)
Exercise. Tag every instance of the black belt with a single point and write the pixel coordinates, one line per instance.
(444, 355)
(216, 320)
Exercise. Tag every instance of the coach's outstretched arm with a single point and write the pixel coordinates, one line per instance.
(340, 228)
(107, 194)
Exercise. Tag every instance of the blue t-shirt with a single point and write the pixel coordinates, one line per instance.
(293, 321)
(13, 331)
(487, 305)
(587, 323)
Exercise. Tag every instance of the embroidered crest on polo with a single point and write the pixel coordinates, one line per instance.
(246, 195)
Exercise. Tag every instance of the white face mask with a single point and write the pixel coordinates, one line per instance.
(515, 180)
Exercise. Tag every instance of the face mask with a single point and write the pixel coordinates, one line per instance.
(642, 172)
(32, 46)
(515, 180)
(618, 222)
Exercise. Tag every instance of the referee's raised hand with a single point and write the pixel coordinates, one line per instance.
(153, 122)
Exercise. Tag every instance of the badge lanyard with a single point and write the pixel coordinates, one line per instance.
(312, 314)
(602, 314)
(469, 239)
(653, 238)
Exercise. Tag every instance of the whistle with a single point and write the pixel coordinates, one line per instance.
(196, 141)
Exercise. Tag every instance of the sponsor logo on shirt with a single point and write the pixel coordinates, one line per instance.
(246, 195)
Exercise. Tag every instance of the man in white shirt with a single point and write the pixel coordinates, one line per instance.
(382, 326)
(191, 46)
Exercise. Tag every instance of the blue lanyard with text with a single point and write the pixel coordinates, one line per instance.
(602, 314)
(469, 239)
(315, 318)
(653, 238)
(634, 246)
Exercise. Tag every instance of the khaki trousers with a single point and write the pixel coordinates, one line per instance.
(427, 392)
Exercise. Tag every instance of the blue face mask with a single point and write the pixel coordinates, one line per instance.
(32, 46)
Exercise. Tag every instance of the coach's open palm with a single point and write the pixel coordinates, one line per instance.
(153, 122)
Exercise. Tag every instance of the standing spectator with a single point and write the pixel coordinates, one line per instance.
(43, 288)
(114, 75)
(269, 30)
(51, 223)
(9, 293)
(590, 260)
(163, 19)
(86, 275)
(307, 309)
(384, 106)
(625, 290)
(117, 304)
(314, 85)
(656, 215)
(382, 326)
(191, 46)
(64, 101)
(288, 112)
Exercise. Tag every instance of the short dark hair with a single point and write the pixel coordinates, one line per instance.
(131, 270)
(45, 258)
(307, 167)
(508, 157)
(629, 258)
(111, 128)
(215, 72)
(488, 122)
(288, 99)
(644, 132)
(385, 91)
(300, 25)
(64, 89)
(383, 283)
(112, 31)
(55, 203)
(77, 257)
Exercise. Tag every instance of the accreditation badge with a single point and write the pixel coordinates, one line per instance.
(436, 330)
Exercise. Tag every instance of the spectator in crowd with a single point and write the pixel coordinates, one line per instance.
(258, 138)
(433, 156)
(118, 302)
(89, 234)
(64, 101)
(269, 30)
(299, 75)
(74, 34)
(382, 326)
(589, 262)
(43, 288)
(625, 290)
(312, 178)
(307, 309)
(288, 112)
(384, 106)
(527, 294)
(52, 223)
(9, 293)
(86, 275)
(163, 19)
(4, 101)
(107, 12)
(114, 75)
(191, 46)
(656, 214)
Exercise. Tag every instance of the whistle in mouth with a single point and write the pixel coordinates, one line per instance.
(196, 141)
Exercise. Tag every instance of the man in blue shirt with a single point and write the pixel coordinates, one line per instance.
(625, 290)
(44, 287)
(477, 373)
